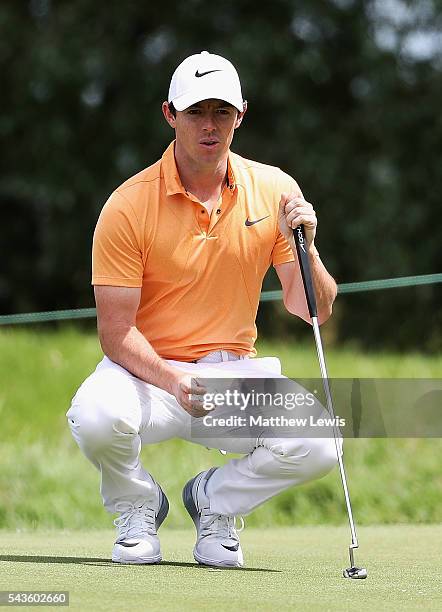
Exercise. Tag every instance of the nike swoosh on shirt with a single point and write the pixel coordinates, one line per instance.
(249, 223)
(200, 74)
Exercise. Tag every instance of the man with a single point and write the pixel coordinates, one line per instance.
(180, 251)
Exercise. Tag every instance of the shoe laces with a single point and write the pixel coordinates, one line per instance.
(135, 520)
(220, 525)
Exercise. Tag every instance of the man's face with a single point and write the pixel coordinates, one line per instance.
(205, 130)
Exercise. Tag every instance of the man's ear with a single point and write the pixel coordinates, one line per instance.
(171, 120)
(240, 116)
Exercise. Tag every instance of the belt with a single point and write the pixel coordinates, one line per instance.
(221, 355)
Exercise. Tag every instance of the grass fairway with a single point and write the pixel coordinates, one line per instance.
(287, 568)
(45, 482)
(47, 486)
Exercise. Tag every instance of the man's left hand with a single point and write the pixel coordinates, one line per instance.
(295, 211)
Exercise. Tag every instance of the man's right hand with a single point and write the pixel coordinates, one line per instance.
(189, 393)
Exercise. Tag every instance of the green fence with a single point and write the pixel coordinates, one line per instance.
(266, 296)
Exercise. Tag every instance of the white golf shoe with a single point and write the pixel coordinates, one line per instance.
(137, 525)
(217, 540)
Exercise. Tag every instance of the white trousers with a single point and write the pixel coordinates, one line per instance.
(113, 414)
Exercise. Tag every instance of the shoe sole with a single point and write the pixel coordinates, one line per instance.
(162, 513)
(189, 504)
(139, 561)
(212, 563)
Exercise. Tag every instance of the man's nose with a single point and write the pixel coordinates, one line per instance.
(209, 123)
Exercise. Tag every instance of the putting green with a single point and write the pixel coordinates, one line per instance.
(296, 568)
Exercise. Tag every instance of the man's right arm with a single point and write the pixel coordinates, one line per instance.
(124, 344)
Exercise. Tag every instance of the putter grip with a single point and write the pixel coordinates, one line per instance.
(306, 274)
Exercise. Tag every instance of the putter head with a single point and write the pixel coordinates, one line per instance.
(356, 573)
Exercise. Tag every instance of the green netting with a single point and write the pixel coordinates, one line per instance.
(266, 296)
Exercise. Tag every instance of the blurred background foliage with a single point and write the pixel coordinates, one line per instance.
(343, 94)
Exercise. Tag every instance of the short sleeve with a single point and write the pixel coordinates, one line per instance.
(117, 257)
(282, 252)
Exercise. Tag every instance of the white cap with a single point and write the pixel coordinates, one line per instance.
(204, 76)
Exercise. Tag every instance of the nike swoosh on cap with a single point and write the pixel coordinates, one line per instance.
(248, 223)
(201, 74)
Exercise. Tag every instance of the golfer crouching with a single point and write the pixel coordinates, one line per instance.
(180, 251)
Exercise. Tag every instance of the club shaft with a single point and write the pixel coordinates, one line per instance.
(304, 264)
(336, 432)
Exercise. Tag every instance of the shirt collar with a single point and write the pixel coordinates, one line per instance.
(172, 178)
(231, 183)
(170, 171)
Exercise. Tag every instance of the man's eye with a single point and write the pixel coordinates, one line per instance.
(193, 111)
(223, 111)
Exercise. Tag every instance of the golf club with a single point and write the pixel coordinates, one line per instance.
(298, 233)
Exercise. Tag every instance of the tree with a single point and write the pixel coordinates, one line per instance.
(341, 94)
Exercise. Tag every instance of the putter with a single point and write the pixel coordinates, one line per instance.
(356, 573)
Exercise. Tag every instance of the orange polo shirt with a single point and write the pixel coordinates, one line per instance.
(200, 275)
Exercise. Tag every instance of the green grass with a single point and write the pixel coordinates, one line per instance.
(45, 481)
(286, 569)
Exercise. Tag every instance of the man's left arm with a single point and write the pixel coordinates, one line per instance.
(295, 211)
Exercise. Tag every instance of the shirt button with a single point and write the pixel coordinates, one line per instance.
(218, 212)
(202, 211)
